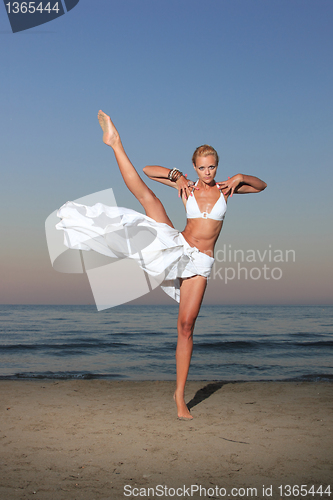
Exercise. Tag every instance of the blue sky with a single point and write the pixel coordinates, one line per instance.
(251, 77)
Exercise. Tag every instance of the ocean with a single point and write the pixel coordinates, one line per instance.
(231, 343)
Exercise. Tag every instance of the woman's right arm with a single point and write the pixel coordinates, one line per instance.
(160, 174)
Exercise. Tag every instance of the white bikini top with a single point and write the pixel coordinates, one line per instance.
(217, 212)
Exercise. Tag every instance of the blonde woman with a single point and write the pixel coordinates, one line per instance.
(186, 257)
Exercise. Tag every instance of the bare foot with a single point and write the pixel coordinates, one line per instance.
(183, 411)
(110, 135)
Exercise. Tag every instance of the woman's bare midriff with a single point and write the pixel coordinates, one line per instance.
(202, 234)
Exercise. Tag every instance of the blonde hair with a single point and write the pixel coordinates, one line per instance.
(205, 150)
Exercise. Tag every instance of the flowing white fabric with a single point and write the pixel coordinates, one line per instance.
(160, 250)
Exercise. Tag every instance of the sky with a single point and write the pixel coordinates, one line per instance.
(253, 78)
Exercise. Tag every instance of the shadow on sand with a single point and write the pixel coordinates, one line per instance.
(205, 393)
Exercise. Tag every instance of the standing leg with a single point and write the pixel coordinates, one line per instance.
(191, 294)
(151, 204)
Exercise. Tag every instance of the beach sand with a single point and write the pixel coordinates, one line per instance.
(87, 439)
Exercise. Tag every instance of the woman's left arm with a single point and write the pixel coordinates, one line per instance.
(242, 184)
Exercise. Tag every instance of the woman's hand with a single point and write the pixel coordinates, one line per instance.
(185, 187)
(228, 187)
(241, 184)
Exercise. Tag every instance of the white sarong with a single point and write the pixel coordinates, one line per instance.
(121, 233)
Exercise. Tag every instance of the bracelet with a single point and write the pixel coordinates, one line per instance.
(174, 175)
(171, 172)
(177, 176)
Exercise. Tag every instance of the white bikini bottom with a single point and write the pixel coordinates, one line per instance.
(121, 233)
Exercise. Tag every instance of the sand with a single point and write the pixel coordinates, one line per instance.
(101, 439)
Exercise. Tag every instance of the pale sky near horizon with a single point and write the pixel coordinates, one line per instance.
(251, 77)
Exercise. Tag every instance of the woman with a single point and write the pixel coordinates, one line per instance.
(193, 249)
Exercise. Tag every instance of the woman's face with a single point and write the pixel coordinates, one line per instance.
(206, 168)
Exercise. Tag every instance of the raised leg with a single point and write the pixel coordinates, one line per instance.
(191, 294)
(151, 204)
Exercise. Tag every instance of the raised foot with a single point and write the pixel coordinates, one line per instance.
(110, 134)
(183, 411)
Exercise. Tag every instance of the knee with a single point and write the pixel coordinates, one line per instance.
(147, 197)
(186, 327)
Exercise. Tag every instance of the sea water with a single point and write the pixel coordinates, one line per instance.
(231, 343)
